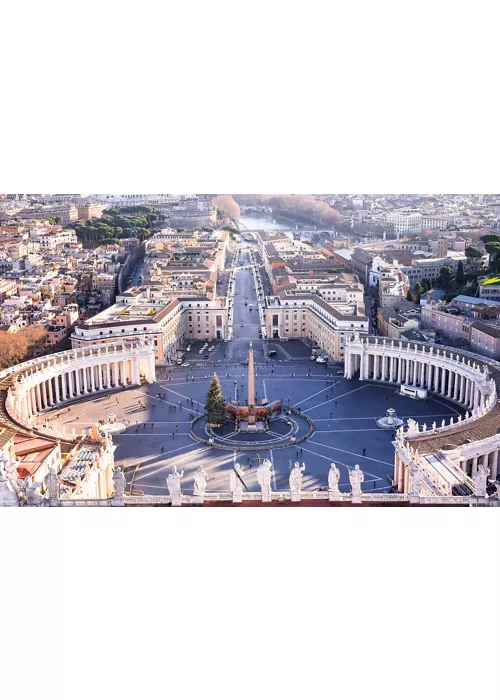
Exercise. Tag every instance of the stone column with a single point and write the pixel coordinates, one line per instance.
(406, 480)
(467, 392)
(401, 474)
(108, 375)
(31, 402)
(38, 398)
(463, 465)
(443, 381)
(362, 359)
(44, 394)
(456, 393)
(63, 386)
(78, 382)
(84, 377)
(476, 396)
(422, 374)
(474, 467)
(462, 389)
(451, 375)
(124, 373)
(430, 369)
(494, 465)
(400, 370)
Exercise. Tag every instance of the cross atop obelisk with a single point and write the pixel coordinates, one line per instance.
(251, 378)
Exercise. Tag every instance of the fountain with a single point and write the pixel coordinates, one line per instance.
(390, 421)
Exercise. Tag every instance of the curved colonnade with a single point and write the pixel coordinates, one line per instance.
(448, 456)
(45, 383)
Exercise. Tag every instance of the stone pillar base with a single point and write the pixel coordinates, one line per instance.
(266, 496)
(357, 499)
(332, 496)
(176, 502)
(238, 498)
(296, 497)
(117, 501)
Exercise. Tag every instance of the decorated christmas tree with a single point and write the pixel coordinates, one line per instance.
(215, 403)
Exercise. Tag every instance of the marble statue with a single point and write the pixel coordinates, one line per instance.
(119, 480)
(32, 497)
(174, 483)
(200, 482)
(497, 486)
(333, 480)
(296, 480)
(236, 483)
(52, 484)
(264, 479)
(356, 477)
(416, 477)
(480, 481)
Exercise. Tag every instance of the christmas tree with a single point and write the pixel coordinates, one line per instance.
(215, 403)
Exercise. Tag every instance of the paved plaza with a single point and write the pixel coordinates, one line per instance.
(344, 412)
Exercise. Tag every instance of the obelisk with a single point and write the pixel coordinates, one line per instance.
(251, 378)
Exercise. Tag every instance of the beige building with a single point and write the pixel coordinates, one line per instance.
(310, 317)
(167, 322)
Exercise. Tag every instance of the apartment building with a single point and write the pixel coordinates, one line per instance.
(429, 268)
(405, 221)
(166, 322)
(490, 289)
(309, 316)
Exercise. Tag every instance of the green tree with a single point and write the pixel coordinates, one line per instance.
(215, 403)
(460, 277)
(409, 296)
(445, 276)
(473, 253)
(426, 285)
(493, 250)
(418, 291)
(491, 238)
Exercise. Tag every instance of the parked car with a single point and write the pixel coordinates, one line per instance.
(272, 353)
(205, 357)
(321, 360)
(186, 364)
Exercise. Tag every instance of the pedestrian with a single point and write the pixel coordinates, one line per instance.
(163, 449)
(173, 436)
(364, 451)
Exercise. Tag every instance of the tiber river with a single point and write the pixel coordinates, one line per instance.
(262, 222)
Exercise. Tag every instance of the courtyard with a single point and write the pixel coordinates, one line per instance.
(158, 419)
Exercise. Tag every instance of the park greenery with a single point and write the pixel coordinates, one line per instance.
(492, 246)
(117, 223)
(215, 403)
